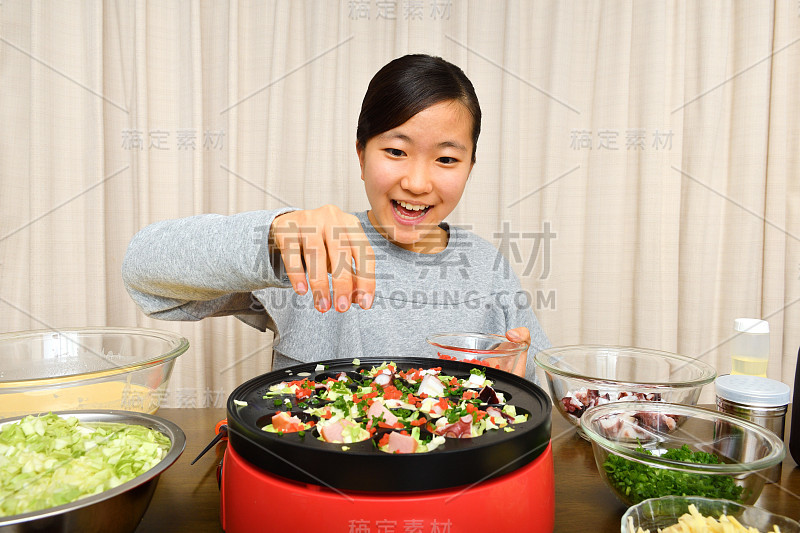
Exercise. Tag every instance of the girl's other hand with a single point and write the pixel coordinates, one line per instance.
(520, 335)
(322, 241)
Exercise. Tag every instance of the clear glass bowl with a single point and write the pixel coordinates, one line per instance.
(664, 512)
(622, 434)
(86, 368)
(485, 348)
(582, 376)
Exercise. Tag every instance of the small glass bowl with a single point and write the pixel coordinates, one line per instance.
(620, 430)
(483, 348)
(582, 376)
(663, 512)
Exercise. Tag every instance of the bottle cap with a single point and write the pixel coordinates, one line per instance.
(753, 390)
(751, 325)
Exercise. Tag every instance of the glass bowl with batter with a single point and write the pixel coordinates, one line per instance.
(86, 369)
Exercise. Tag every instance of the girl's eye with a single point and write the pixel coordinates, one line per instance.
(394, 152)
(448, 160)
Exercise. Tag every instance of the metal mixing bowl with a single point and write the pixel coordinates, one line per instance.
(119, 509)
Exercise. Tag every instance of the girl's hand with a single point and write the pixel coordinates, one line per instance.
(505, 362)
(318, 242)
(520, 335)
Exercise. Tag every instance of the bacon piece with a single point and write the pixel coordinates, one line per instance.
(399, 443)
(283, 421)
(333, 432)
(377, 409)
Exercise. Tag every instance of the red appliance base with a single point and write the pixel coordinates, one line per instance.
(254, 500)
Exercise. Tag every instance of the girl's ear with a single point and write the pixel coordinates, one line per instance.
(360, 152)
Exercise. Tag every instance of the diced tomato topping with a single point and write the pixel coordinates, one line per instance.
(392, 393)
(384, 425)
(470, 394)
(302, 394)
(305, 388)
(327, 414)
(470, 408)
(418, 422)
(453, 381)
(384, 440)
(442, 403)
(445, 356)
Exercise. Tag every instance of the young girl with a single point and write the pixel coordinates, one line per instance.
(330, 284)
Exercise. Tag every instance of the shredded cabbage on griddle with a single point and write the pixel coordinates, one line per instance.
(47, 460)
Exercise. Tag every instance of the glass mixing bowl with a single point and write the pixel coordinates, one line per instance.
(582, 376)
(86, 368)
(630, 441)
(664, 512)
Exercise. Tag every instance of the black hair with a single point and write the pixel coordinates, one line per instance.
(408, 85)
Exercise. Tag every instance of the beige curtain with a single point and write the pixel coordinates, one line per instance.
(639, 162)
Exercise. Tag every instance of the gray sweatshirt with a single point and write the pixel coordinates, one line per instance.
(214, 265)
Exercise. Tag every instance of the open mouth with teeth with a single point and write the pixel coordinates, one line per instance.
(409, 211)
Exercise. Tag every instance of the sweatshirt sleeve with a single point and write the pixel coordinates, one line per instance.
(204, 265)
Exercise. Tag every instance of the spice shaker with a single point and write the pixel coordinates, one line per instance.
(760, 400)
(750, 347)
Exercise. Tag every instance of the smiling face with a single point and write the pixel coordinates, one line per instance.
(415, 174)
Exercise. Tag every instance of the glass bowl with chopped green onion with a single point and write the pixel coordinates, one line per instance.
(647, 450)
(82, 471)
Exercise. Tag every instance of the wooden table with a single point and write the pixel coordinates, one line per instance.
(187, 497)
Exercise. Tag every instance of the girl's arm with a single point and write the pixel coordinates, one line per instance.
(205, 265)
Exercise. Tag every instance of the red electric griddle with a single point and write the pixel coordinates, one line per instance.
(270, 482)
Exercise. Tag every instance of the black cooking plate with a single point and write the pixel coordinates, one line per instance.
(363, 466)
